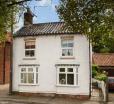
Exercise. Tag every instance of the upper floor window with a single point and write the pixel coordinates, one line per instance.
(67, 46)
(30, 48)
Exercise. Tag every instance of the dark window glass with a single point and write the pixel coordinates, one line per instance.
(70, 79)
(62, 70)
(62, 78)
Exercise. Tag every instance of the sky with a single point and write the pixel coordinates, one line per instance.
(43, 10)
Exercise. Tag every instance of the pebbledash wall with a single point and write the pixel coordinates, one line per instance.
(47, 55)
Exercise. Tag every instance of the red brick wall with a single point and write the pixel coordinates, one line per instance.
(4, 77)
(1, 64)
(7, 63)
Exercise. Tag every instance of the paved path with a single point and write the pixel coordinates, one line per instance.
(14, 99)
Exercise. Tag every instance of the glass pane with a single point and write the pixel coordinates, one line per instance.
(30, 45)
(30, 69)
(30, 77)
(27, 53)
(70, 52)
(62, 69)
(70, 44)
(64, 52)
(62, 78)
(36, 77)
(76, 79)
(70, 79)
(23, 78)
(36, 69)
(64, 43)
(70, 70)
(31, 53)
(23, 69)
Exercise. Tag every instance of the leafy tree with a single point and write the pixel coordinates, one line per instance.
(93, 18)
(5, 17)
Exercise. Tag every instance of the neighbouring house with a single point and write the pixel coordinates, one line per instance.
(5, 49)
(105, 61)
(50, 60)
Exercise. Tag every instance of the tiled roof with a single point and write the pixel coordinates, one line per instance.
(43, 29)
(103, 59)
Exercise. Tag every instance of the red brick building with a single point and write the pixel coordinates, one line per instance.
(5, 60)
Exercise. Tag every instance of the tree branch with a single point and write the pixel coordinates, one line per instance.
(15, 3)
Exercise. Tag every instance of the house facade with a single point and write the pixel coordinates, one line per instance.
(49, 59)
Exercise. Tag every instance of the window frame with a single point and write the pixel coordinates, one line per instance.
(67, 40)
(31, 49)
(35, 74)
(75, 73)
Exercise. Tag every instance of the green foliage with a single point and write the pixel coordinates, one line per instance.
(101, 76)
(5, 17)
(93, 18)
(98, 74)
(95, 70)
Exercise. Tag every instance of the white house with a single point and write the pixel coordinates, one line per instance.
(49, 59)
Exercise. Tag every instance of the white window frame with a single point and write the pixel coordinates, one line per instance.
(75, 73)
(67, 48)
(35, 73)
(34, 49)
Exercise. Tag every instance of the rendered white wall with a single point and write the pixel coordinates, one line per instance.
(48, 53)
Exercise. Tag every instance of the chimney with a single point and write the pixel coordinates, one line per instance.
(28, 17)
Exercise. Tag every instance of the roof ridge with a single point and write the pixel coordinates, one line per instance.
(103, 53)
(48, 23)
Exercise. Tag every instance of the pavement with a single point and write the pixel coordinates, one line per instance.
(5, 98)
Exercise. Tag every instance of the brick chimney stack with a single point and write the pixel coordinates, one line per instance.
(28, 17)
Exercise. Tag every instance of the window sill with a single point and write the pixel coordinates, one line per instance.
(28, 84)
(29, 58)
(67, 85)
(67, 57)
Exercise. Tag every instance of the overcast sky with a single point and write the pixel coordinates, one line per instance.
(43, 10)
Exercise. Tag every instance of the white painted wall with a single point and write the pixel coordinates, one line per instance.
(48, 53)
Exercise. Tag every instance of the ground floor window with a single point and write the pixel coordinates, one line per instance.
(67, 76)
(29, 75)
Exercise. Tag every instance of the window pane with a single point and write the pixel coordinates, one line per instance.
(70, 70)
(64, 52)
(62, 69)
(30, 69)
(30, 45)
(70, 79)
(23, 78)
(76, 79)
(32, 53)
(36, 69)
(62, 78)
(64, 43)
(37, 78)
(70, 44)
(30, 77)
(70, 52)
(23, 69)
(27, 53)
